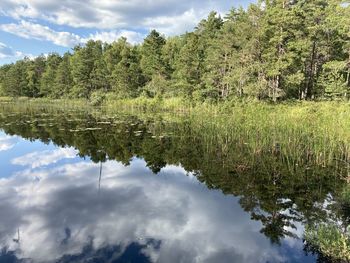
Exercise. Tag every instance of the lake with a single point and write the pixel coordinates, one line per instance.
(94, 186)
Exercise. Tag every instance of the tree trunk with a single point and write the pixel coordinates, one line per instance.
(309, 88)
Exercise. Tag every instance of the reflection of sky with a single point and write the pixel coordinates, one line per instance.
(54, 199)
(7, 143)
(20, 152)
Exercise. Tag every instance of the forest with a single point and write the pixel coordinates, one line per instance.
(273, 50)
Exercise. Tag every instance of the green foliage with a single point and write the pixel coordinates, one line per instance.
(152, 62)
(157, 86)
(97, 97)
(63, 79)
(330, 241)
(127, 76)
(47, 83)
(34, 71)
(333, 79)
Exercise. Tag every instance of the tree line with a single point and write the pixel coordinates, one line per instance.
(274, 49)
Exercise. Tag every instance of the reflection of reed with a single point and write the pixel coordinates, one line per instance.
(100, 177)
(16, 240)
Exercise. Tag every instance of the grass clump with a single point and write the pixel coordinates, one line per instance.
(329, 241)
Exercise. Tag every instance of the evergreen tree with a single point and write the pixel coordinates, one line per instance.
(127, 76)
(3, 72)
(15, 82)
(34, 71)
(63, 80)
(208, 31)
(88, 69)
(112, 54)
(227, 63)
(152, 62)
(188, 66)
(47, 83)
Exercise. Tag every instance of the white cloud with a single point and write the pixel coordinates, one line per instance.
(111, 36)
(31, 30)
(171, 25)
(8, 52)
(43, 158)
(36, 31)
(111, 19)
(7, 142)
(117, 14)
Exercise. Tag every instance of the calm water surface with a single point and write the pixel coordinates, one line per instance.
(75, 188)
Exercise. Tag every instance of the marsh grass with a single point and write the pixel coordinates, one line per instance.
(298, 132)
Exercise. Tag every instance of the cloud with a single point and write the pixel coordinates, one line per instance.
(44, 158)
(111, 36)
(7, 142)
(31, 30)
(39, 32)
(170, 25)
(118, 14)
(8, 52)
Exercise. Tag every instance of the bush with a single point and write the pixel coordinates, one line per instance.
(97, 98)
(329, 241)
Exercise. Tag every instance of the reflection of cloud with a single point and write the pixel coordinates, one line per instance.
(38, 159)
(7, 143)
(193, 223)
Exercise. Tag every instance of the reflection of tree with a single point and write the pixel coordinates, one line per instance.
(330, 238)
(100, 178)
(273, 187)
(17, 240)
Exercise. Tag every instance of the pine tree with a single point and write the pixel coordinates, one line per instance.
(15, 83)
(86, 65)
(227, 63)
(152, 62)
(127, 76)
(47, 83)
(63, 80)
(187, 66)
(34, 72)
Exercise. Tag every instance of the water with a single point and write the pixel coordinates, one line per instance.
(79, 187)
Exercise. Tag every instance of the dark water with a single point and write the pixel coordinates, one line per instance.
(79, 187)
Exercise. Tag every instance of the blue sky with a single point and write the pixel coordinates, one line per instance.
(34, 27)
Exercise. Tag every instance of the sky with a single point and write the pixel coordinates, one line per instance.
(34, 27)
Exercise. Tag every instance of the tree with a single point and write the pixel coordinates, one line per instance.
(34, 71)
(3, 72)
(333, 79)
(63, 80)
(47, 83)
(207, 30)
(152, 62)
(88, 69)
(127, 75)
(187, 66)
(14, 81)
(112, 54)
(228, 63)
